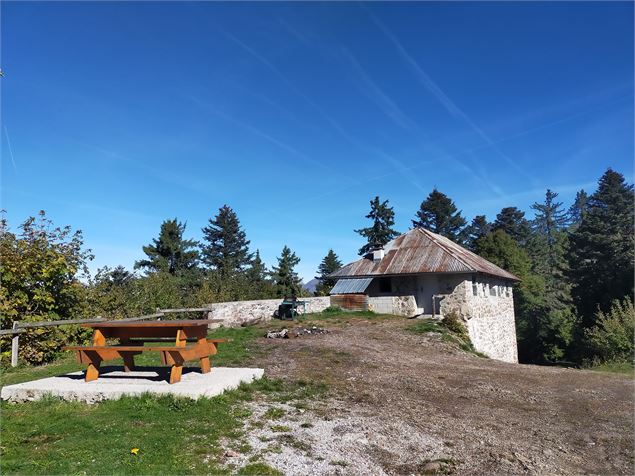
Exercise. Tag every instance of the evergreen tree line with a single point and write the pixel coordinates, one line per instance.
(180, 271)
(575, 299)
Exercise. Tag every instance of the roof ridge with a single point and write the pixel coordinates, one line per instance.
(434, 237)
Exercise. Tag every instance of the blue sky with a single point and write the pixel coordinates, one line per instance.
(117, 116)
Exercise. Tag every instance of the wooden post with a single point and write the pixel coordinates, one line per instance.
(15, 345)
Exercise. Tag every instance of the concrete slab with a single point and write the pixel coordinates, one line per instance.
(113, 382)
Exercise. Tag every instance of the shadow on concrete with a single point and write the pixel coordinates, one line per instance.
(162, 373)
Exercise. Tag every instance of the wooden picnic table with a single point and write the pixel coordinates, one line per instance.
(132, 337)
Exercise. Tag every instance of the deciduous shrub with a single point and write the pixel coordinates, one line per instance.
(611, 339)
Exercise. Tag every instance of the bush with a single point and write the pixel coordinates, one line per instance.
(452, 322)
(611, 339)
(40, 267)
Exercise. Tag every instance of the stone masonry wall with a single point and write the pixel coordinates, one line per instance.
(398, 305)
(488, 316)
(243, 313)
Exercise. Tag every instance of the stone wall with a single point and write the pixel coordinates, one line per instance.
(243, 313)
(398, 305)
(487, 308)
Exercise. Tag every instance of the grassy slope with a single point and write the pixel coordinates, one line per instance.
(177, 436)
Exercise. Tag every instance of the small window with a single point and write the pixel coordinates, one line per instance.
(385, 285)
(492, 291)
(474, 286)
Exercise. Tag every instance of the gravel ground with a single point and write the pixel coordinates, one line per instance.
(400, 403)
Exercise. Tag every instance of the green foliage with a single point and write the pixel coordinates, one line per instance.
(602, 249)
(611, 338)
(577, 209)
(170, 253)
(452, 322)
(476, 230)
(286, 280)
(543, 329)
(226, 247)
(257, 280)
(328, 266)
(39, 270)
(439, 214)
(451, 329)
(381, 231)
(512, 221)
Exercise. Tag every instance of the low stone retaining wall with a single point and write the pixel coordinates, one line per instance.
(244, 313)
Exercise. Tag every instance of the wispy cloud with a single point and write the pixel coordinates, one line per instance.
(259, 133)
(450, 106)
(6, 134)
(378, 96)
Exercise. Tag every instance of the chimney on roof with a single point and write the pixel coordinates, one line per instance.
(378, 252)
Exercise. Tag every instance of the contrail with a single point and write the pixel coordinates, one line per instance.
(438, 93)
(6, 133)
(254, 130)
(379, 97)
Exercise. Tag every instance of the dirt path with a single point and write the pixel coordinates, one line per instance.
(406, 404)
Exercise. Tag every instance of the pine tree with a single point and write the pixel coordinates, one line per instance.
(476, 230)
(170, 253)
(380, 233)
(439, 214)
(257, 279)
(512, 221)
(577, 209)
(549, 240)
(328, 266)
(257, 271)
(601, 253)
(227, 248)
(286, 280)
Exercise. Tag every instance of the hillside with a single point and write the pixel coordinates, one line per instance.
(403, 403)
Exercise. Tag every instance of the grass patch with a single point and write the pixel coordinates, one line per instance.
(625, 368)
(460, 340)
(174, 435)
(259, 469)
(274, 413)
(339, 462)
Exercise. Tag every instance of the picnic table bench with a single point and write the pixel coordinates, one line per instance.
(132, 337)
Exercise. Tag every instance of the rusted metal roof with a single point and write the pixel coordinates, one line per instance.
(421, 251)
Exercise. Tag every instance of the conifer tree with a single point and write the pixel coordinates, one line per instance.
(328, 266)
(512, 221)
(439, 214)
(286, 280)
(170, 253)
(226, 247)
(549, 242)
(476, 230)
(577, 209)
(601, 253)
(257, 279)
(381, 231)
(257, 271)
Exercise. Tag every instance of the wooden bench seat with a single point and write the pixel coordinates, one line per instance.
(172, 355)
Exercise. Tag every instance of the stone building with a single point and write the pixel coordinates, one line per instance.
(422, 274)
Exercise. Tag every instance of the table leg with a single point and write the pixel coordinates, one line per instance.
(177, 367)
(128, 359)
(206, 366)
(92, 372)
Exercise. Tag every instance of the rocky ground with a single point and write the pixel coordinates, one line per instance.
(401, 403)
